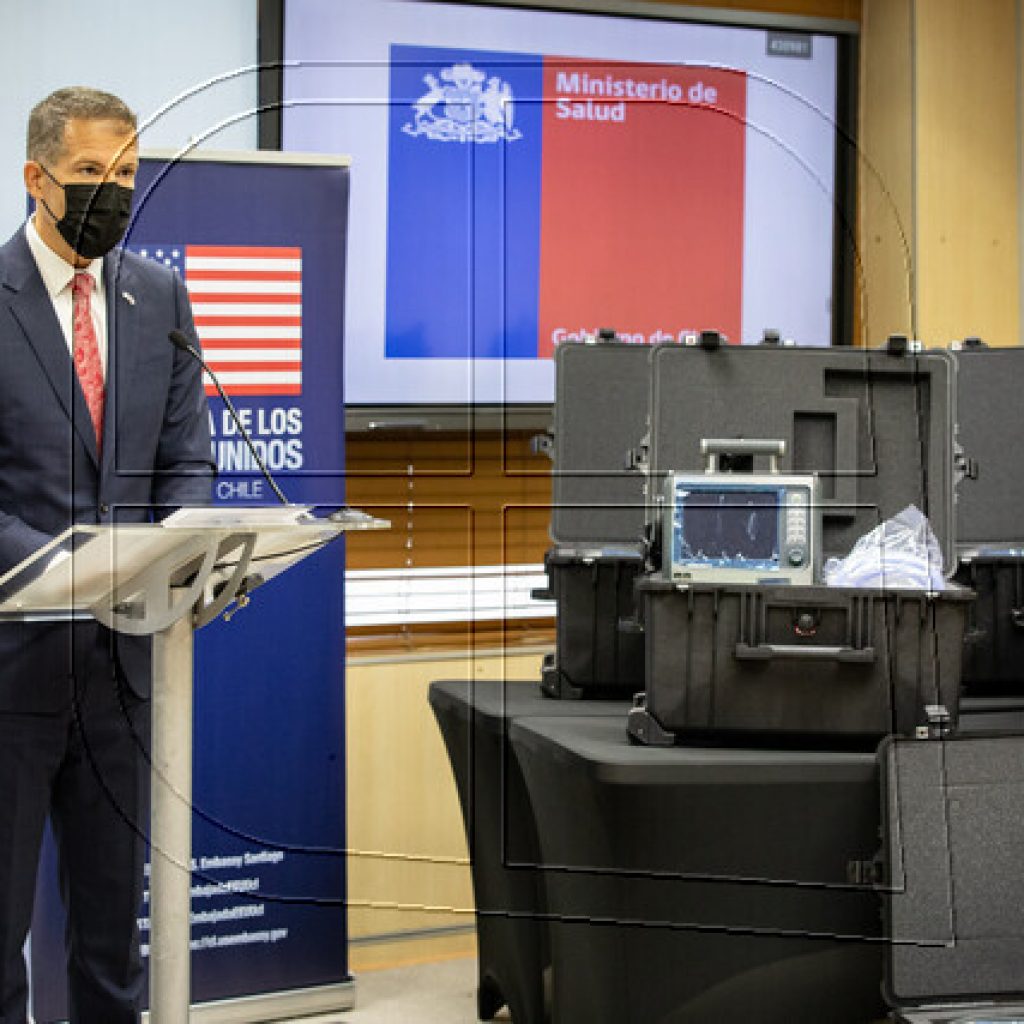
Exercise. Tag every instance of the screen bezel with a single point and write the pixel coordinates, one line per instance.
(779, 486)
(413, 416)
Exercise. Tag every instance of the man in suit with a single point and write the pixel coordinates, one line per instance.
(102, 420)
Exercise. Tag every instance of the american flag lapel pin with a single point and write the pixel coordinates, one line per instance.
(128, 297)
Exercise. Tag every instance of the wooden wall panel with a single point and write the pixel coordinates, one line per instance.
(451, 500)
(967, 139)
(885, 183)
(940, 118)
(408, 860)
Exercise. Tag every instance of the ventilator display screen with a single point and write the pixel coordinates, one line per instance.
(728, 527)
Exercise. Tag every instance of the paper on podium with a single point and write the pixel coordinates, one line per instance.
(226, 517)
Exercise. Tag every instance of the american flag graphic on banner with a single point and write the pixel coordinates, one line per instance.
(247, 304)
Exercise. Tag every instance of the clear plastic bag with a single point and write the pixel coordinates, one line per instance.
(902, 552)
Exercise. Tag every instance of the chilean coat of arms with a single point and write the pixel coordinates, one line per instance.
(459, 107)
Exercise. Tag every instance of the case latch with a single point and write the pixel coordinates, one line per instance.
(967, 344)
(638, 459)
(937, 725)
(805, 624)
(965, 468)
(543, 444)
(865, 872)
(900, 345)
(708, 340)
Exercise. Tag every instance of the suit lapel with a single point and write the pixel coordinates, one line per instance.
(33, 310)
(122, 353)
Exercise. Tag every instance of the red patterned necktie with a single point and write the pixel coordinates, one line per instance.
(87, 352)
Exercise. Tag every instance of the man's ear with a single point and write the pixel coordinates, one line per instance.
(33, 175)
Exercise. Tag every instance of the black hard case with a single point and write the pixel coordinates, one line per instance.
(794, 661)
(597, 520)
(599, 651)
(993, 656)
(990, 526)
(953, 831)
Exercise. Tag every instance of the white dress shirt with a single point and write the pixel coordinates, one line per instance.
(57, 276)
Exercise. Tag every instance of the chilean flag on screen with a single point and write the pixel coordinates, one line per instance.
(247, 305)
(532, 198)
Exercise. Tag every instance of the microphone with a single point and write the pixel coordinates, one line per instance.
(179, 339)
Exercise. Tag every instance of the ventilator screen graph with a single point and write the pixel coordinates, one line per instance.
(657, 178)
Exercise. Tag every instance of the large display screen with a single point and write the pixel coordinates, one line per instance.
(522, 176)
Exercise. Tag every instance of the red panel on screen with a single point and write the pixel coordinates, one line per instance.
(641, 200)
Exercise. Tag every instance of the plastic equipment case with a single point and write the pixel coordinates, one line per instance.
(598, 650)
(597, 520)
(990, 526)
(953, 828)
(812, 663)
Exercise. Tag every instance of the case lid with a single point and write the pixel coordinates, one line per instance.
(877, 428)
(990, 417)
(601, 395)
(953, 832)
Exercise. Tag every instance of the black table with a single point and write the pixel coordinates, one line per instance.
(701, 884)
(692, 885)
(512, 934)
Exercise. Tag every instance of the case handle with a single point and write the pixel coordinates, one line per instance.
(714, 447)
(767, 652)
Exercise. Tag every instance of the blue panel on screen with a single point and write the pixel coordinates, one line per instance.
(464, 162)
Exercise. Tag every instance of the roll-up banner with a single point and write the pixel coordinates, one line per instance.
(260, 241)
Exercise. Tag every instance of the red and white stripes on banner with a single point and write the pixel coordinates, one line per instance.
(247, 304)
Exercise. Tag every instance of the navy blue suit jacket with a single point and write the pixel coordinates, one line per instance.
(156, 445)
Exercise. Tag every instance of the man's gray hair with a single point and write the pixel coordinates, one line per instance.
(49, 118)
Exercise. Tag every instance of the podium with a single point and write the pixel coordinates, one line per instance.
(167, 580)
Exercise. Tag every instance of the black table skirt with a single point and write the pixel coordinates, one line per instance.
(622, 884)
(696, 885)
(512, 925)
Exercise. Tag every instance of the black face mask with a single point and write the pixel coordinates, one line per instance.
(95, 216)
